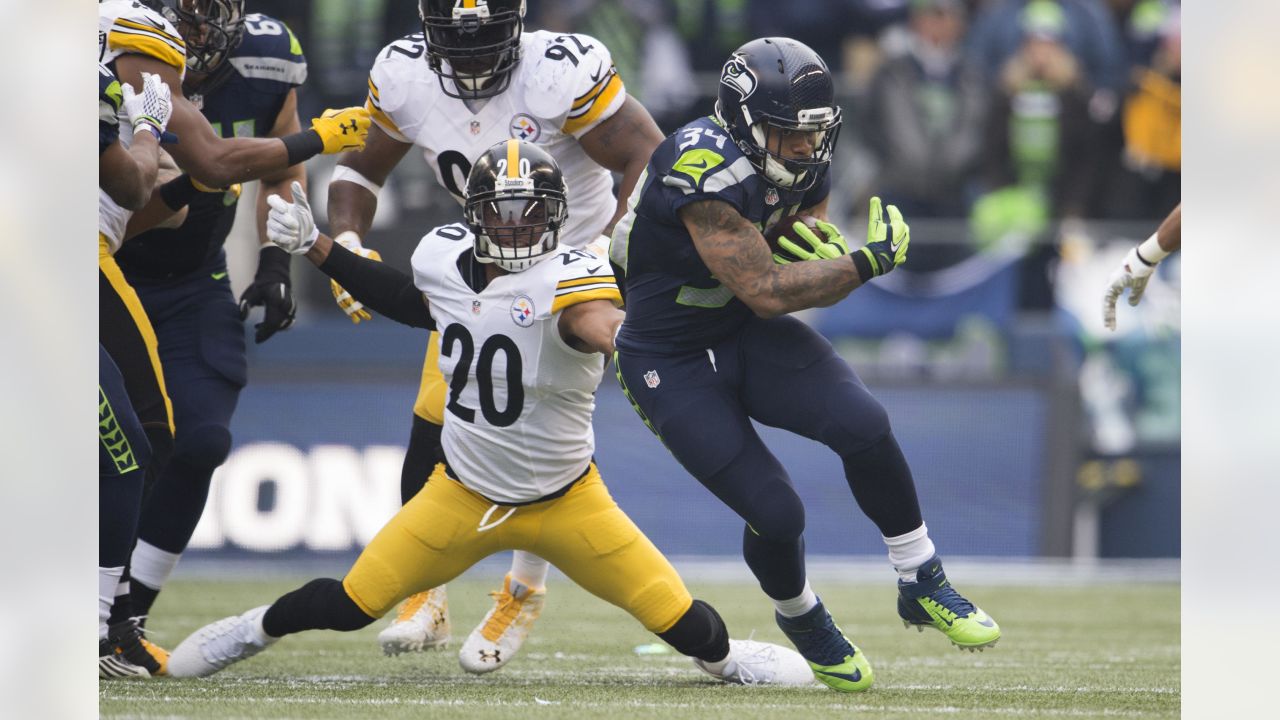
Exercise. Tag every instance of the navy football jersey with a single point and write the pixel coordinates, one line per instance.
(674, 304)
(109, 100)
(265, 66)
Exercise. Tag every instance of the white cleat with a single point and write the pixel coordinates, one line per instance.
(422, 624)
(498, 637)
(219, 644)
(752, 662)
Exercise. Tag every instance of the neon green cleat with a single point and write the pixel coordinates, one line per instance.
(835, 661)
(932, 602)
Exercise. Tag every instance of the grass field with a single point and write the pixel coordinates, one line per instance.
(1075, 652)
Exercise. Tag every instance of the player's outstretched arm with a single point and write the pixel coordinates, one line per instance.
(1139, 264)
(353, 200)
(221, 162)
(384, 289)
(590, 326)
(623, 144)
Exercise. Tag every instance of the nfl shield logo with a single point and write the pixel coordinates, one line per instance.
(771, 196)
(651, 379)
(475, 307)
(475, 127)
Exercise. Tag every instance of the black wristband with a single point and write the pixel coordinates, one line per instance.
(178, 192)
(1138, 251)
(302, 146)
(273, 265)
(863, 265)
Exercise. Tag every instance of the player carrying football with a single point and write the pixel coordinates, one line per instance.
(473, 78)
(708, 345)
(523, 323)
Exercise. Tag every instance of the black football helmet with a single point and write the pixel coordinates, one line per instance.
(515, 205)
(211, 29)
(474, 43)
(782, 83)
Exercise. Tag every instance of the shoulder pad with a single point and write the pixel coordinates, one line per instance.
(399, 67)
(269, 51)
(437, 251)
(572, 80)
(705, 159)
(581, 276)
(137, 28)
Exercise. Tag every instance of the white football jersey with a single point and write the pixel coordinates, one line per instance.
(518, 415)
(564, 86)
(127, 26)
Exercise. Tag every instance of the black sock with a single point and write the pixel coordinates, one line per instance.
(699, 633)
(142, 597)
(122, 607)
(321, 604)
(881, 482)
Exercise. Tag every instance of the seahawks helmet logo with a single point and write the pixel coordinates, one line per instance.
(738, 76)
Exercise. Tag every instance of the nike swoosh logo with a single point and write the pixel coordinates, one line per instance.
(594, 269)
(895, 244)
(598, 74)
(986, 622)
(218, 276)
(149, 21)
(855, 677)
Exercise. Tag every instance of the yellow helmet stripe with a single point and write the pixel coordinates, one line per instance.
(513, 158)
(468, 4)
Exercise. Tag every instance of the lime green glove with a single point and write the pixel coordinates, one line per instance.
(887, 243)
(832, 247)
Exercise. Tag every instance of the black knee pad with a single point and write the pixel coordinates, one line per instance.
(204, 447)
(699, 633)
(322, 604)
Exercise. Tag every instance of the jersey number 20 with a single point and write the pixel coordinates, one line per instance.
(458, 335)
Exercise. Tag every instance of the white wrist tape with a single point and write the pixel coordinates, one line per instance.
(342, 172)
(1151, 251)
(349, 240)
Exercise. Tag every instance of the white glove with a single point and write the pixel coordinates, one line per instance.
(151, 109)
(1133, 274)
(289, 224)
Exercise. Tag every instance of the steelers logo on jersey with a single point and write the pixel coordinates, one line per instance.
(522, 311)
(524, 127)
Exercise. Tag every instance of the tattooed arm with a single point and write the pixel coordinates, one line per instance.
(737, 255)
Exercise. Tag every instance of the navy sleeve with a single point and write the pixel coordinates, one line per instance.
(699, 162)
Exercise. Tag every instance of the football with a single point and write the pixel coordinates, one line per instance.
(782, 229)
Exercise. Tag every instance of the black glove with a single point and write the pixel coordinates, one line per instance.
(272, 290)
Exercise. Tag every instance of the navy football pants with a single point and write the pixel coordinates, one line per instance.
(202, 348)
(781, 373)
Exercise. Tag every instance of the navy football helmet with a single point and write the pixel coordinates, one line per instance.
(515, 205)
(781, 83)
(211, 29)
(474, 43)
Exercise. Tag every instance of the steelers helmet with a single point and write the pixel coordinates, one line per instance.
(515, 205)
(474, 44)
(782, 83)
(211, 29)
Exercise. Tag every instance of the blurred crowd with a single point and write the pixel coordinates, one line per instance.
(1003, 110)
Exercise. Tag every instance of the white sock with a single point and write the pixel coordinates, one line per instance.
(798, 605)
(909, 551)
(529, 570)
(108, 579)
(152, 566)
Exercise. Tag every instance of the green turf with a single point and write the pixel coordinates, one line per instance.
(1077, 652)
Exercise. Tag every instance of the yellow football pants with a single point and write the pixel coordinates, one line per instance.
(447, 528)
(125, 331)
(430, 403)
